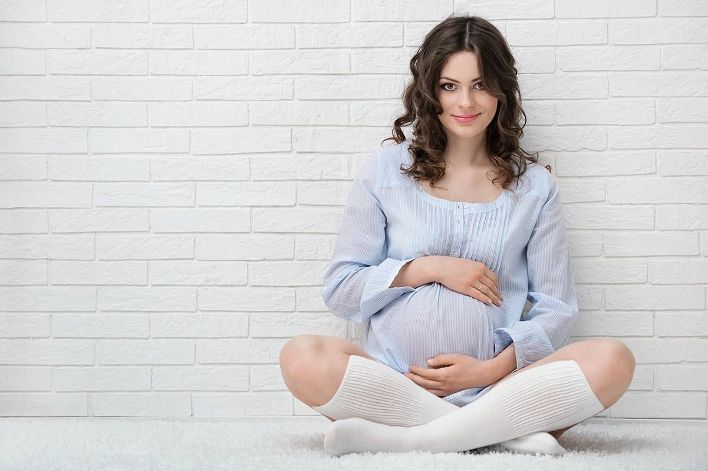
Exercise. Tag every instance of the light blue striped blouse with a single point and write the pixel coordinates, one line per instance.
(389, 219)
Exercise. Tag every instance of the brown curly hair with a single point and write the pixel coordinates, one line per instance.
(496, 66)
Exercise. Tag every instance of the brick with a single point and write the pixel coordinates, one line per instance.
(557, 33)
(54, 246)
(141, 88)
(657, 30)
(192, 114)
(211, 325)
(200, 220)
(98, 378)
(99, 220)
(97, 114)
(148, 298)
(598, 323)
(44, 405)
(244, 247)
(195, 62)
(135, 36)
(23, 10)
(200, 378)
(46, 352)
(97, 62)
(148, 404)
(681, 216)
(22, 62)
(45, 88)
(610, 270)
(658, 190)
(290, 273)
(41, 140)
(113, 141)
(249, 351)
(98, 273)
(144, 247)
(296, 62)
(84, 168)
(682, 110)
(143, 194)
(198, 11)
(204, 168)
(23, 167)
(604, 9)
(656, 297)
(100, 325)
(25, 378)
(679, 271)
(98, 10)
(660, 405)
(604, 216)
(246, 194)
(605, 163)
(188, 272)
(681, 378)
(650, 243)
(24, 325)
(246, 299)
(613, 112)
(237, 141)
(244, 36)
(681, 324)
(45, 35)
(301, 166)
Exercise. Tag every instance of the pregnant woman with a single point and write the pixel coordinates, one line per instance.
(444, 238)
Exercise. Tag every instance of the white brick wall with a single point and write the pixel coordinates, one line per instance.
(172, 175)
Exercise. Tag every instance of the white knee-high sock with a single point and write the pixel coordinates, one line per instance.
(547, 397)
(373, 391)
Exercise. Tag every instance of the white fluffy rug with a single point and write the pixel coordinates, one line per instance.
(296, 444)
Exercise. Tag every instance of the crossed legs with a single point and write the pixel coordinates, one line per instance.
(313, 367)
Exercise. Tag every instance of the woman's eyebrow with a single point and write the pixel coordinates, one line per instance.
(453, 80)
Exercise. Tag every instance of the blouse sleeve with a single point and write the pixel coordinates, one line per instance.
(356, 283)
(551, 290)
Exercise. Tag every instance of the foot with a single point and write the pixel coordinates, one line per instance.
(538, 442)
(360, 435)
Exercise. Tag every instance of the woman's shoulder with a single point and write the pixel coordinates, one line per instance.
(382, 165)
(536, 181)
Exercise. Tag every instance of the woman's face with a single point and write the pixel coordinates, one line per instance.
(462, 93)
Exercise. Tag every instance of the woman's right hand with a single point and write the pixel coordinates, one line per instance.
(468, 277)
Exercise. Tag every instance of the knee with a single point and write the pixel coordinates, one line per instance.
(620, 359)
(295, 353)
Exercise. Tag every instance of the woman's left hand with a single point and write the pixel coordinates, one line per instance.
(449, 374)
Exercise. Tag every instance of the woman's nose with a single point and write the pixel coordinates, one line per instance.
(464, 98)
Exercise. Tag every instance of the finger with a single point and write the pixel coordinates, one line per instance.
(490, 293)
(490, 274)
(438, 392)
(427, 373)
(483, 294)
(491, 285)
(425, 383)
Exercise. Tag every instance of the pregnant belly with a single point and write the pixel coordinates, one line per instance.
(434, 320)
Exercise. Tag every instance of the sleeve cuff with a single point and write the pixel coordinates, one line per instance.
(377, 292)
(529, 347)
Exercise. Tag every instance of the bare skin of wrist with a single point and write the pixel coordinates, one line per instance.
(417, 272)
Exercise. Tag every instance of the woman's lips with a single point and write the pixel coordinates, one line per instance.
(466, 119)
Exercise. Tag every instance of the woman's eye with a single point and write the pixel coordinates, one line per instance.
(446, 84)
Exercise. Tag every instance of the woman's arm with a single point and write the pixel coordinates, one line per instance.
(415, 273)
(356, 282)
(551, 289)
